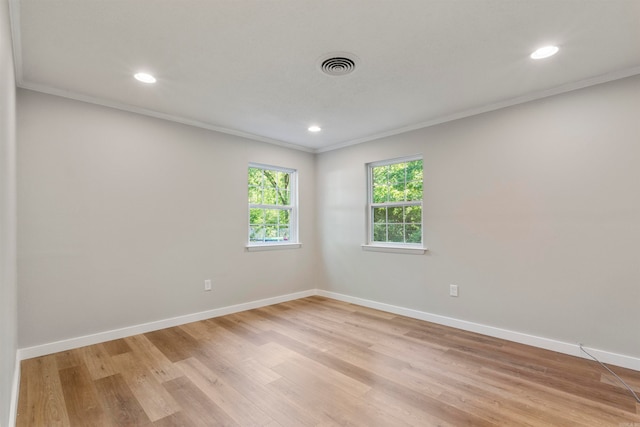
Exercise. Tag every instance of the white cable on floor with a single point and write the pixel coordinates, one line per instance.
(612, 373)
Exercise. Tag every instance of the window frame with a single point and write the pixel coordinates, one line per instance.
(395, 247)
(292, 207)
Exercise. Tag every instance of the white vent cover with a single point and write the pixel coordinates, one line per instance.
(338, 64)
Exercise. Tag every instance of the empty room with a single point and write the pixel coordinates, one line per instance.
(319, 213)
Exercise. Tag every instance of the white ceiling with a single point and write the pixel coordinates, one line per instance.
(250, 67)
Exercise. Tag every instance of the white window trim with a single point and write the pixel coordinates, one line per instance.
(293, 242)
(272, 246)
(394, 249)
(399, 248)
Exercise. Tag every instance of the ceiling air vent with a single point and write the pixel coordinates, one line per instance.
(337, 65)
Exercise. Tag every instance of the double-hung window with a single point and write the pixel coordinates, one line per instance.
(273, 213)
(394, 207)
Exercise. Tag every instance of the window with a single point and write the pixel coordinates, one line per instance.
(395, 203)
(272, 205)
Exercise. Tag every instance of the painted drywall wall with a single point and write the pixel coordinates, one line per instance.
(8, 282)
(122, 217)
(533, 211)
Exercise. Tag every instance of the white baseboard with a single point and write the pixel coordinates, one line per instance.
(15, 393)
(536, 341)
(68, 344)
(519, 337)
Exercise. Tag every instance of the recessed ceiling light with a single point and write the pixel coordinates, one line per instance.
(144, 78)
(314, 128)
(544, 52)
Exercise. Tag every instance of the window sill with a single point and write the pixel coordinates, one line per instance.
(414, 250)
(273, 247)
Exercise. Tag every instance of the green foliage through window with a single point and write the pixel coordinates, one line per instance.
(396, 202)
(270, 205)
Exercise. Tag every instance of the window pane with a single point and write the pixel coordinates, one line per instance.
(283, 180)
(396, 233)
(255, 195)
(413, 214)
(283, 233)
(270, 233)
(271, 216)
(396, 173)
(413, 233)
(283, 217)
(380, 193)
(414, 191)
(283, 197)
(414, 170)
(256, 216)
(396, 193)
(379, 232)
(270, 178)
(256, 233)
(269, 196)
(395, 214)
(255, 177)
(379, 215)
(380, 175)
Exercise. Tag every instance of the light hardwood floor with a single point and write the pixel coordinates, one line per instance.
(319, 362)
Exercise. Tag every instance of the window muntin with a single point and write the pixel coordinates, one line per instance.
(395, 202)
(272, 205)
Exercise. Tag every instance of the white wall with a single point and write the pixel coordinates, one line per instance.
(122, 217)
(8, 283)
(533, 210)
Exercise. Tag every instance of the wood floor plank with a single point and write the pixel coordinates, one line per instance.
(174, 343)
(121, 407)
(146, 388)
(586, 411)
(199, 330)
(41, 398)
(320, 362)
(289, 327)
(412, 397)
(116, 347)
(273, 354)
(257, 322)
(237, 406)
(631, 380)
(309, 372)
(148, 355)
(335, 331)
(401, 410)
(229, 344)
(389, 368)
(68, 359)
(333, 405)
(576, 386)
(97, 360)
(255, 388)
(81, 397)
(197, 408)
(258, 372)
(483, 397)
(238, 328)
(179, 419)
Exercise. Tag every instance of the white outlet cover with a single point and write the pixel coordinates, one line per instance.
(453, 290)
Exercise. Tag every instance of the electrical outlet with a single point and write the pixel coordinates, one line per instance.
(453, 290)
(207, 285)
